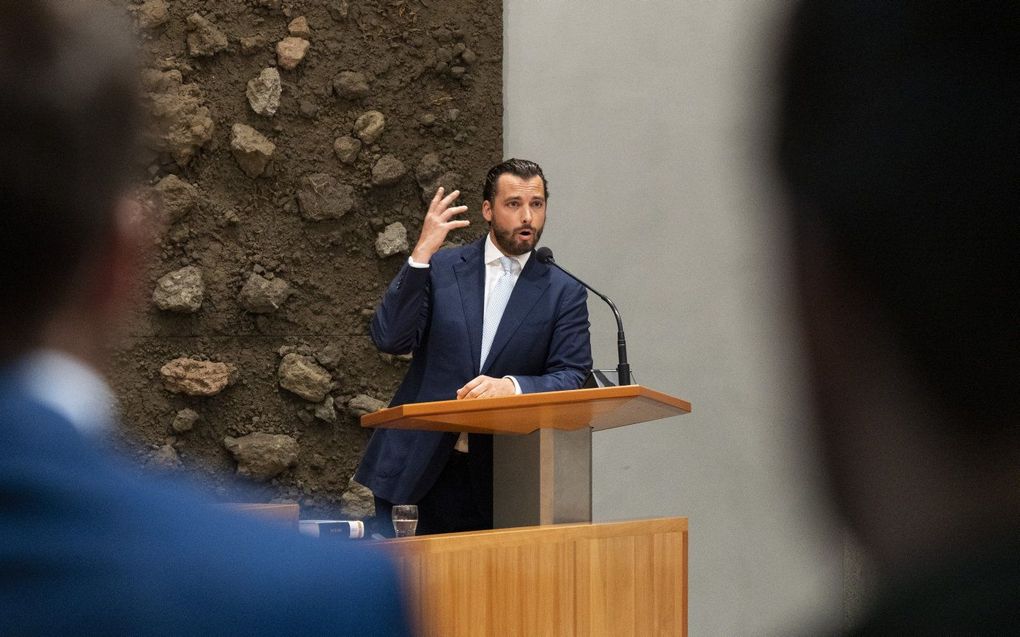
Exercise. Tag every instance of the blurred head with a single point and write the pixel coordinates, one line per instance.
(67, 135)
(515, 195)
(898, 139)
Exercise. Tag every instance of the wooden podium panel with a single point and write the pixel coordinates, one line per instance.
(600, 408)
(615, 579)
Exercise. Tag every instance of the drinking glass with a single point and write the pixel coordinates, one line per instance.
(405, 519)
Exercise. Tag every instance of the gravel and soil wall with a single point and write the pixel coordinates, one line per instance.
(293, 146)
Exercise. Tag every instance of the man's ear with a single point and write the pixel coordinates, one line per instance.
(487, 210)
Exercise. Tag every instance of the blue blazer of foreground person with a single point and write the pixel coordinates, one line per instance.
(88, 547)
(482, 320)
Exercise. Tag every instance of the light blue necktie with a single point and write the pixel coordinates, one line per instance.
(497, 303)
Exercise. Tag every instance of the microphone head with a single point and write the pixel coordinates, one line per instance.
(544, 255)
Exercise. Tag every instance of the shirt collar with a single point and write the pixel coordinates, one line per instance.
(492, 253)
(69, 387)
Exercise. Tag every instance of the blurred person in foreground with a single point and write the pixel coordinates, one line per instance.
(85, 545)
(899, 145)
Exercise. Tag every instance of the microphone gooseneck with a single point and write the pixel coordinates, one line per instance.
(545, 255)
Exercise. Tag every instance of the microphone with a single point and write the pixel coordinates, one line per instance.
(545, 255)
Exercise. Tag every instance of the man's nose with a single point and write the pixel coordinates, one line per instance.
(526, 214)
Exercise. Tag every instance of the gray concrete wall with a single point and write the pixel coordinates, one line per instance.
(648, 118)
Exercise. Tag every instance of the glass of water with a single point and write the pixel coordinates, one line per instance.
(405, 519)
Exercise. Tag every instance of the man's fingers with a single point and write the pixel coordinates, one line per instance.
(441, 205)
(473, 387)
(435, 206)
(468, 386)
(450, 198)
(436, 225)
(458, 223)
(449, 212)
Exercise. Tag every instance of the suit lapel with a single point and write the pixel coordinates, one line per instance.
(470, 273)
(530, 287)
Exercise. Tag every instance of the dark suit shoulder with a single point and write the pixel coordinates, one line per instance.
(454, 255)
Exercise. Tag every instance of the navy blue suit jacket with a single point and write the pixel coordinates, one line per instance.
(87, 547)
(436, 313)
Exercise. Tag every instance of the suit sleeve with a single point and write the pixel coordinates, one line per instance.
(402, 317)
(569, 358)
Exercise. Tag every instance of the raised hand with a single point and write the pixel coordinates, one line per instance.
(439, 220)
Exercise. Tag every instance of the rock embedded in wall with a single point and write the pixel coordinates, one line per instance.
(261, 295)
(264, 92)
(176, 197)
(252, 44)
(321, 196)
(347, 149)
(184, 420)
(326, 411)
(299, 28)
(448, 181)
(262, 456)
(428, 169)
(330, 356)
(357, 501)
(392, 240)
(303, 376)
(351, 85)
(388, 171)
(251, 149)
(180, 291)
(151, 14)
(290, 52)
(339, 9)
(180, 118)
(363, 404)
(369, 126)
(204, 39)
(430, 175)
(196, 377)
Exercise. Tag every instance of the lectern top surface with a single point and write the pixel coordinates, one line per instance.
(598, 408)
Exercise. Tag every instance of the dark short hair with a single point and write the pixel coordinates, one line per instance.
(522, 168)
(899, 134)
(68, 114)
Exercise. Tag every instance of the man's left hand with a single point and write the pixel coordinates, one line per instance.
(486, 387)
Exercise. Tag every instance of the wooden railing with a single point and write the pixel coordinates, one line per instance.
(614, 579)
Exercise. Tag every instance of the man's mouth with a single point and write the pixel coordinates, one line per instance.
(526, 232)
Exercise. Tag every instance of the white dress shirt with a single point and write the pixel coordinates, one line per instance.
(493, 269)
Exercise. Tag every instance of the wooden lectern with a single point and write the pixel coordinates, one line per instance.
(619, 579)
(542, 463)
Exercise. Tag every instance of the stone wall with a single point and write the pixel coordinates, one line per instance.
(293, 147)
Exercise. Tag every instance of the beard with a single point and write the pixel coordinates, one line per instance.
(512, 243)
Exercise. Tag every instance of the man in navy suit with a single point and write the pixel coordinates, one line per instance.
(482, 320)
(87, 546)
